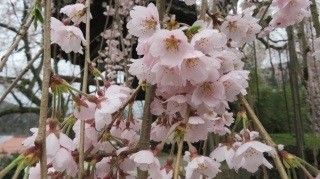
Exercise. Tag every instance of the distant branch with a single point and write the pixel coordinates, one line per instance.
(265, 43)
(8, 27)
(17, 109)
(22, 31)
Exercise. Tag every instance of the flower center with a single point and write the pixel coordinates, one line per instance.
(251, 152)
(70, 35)
(232, 26)
(172, 44)
(191, 62)
(202, 166)
(150, 24)
(207, 88)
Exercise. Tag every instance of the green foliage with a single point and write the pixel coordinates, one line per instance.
(270, 106)
(289, 139)
(5, 161)
(36, 12)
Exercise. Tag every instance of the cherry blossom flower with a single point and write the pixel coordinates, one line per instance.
(76, 12)
(90, 136)
(201, 165)
(146, 161)
(210, 92)
(196, 66)
(224, 152)
(167, 76)
(177, 104)
(250, 156)
(141, 68)
(144, 22)
(59, 153)
(85, 112)
(170, 46)
(68, 37)
(197, 129)
(103, 167)
(64, 162)
(209, 40)
(289, 12)
(235, 82)
(29, 142)
(241, 28)
(160, 131)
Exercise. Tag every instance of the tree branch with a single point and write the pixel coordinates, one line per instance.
(13, 84)
(265, 43)
(22, 32)
(20, 110)
(264, 134)
(8, 27)
(41, 137)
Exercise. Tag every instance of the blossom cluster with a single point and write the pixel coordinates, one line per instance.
(289, 12)
(69, 37)
(197, 71)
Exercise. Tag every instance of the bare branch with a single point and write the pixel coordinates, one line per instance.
(8, 27)
(22, 32)
(19, 77)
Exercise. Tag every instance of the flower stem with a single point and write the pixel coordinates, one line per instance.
(178, 160)
(84, 90)
(18, 170)
(180, 146)
(314, 170)
(11, 166)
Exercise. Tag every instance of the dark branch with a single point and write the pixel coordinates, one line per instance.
(265, 43)
(17, 109)
(8, 27)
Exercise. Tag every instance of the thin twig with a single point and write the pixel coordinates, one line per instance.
(25, 70)
(84, 90)
(180, 146)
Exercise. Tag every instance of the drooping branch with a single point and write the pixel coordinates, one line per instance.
(84, 90)
(264, 134)
(41, 137)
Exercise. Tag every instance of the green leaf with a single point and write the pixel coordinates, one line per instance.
(35, 24)
(194, 29)
(36, 12)
(38, 15)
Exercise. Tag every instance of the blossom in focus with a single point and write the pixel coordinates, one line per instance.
(250, 156)
(170, 46)
(69, 38)
(144, 22)
(76, 12)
